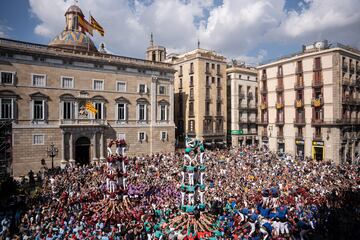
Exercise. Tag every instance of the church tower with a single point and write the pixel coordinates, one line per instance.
(155, 53)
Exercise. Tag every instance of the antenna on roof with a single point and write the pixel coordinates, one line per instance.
(76, 2)
(198, 43)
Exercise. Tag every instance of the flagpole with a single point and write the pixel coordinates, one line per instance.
(88, 42)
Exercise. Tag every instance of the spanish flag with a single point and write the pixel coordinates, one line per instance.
(97, 26)
(90, 107)
(85, 25)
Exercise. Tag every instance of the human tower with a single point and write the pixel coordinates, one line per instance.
(115, 204)
(194, 216)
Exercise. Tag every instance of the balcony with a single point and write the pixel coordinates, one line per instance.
(263, 106)
(352, 68)
(299, 103)
(299, 85)
(264, 121)
(299, 136)
(279, 105)
(207, 71)
(298, 70)
(279, 88)
(180, 73)
(208, 132)
(251, 120)
(317, 137)
(317, 67)
(279, 121)
(264, 90)
(317, 121)
(279, 75)
(280, 135)
(346, 81)
(252, 107)
(317, 83)
(263, 77)
(242, 107)
(299, 121)
(349, 100)
(241, 95)
(250, 96)
(344, 66)
(83, 122)
(317, 102)
(218, 73)
(191, 71)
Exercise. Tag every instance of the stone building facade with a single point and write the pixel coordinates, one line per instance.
(242, 102)
(200, 96)
(310, 103)
(45, 90)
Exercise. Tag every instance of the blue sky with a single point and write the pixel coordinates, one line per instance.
(248, 30)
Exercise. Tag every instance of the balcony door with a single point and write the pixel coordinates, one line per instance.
(82, 151)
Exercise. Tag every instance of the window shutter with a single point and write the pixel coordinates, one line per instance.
(125, 111)
(103, 111)
(145, 112)
(116, 111)
(158, 115)
(32, 110)
(15, 110)
(46, 111)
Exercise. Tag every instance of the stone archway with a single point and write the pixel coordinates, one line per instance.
(82, 151)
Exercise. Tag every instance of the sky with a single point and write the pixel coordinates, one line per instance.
(252, 31)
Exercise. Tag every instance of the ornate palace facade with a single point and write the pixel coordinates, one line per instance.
(44, 91)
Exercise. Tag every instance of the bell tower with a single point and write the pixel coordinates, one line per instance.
(155, 53)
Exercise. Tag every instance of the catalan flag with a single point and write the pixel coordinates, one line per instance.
(90, 107)
(97, 26)
(85, 25)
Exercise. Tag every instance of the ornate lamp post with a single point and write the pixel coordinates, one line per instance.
(52, 152)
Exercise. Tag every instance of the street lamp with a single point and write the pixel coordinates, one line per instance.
(52, 152)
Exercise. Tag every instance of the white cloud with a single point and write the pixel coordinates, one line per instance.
(4, 30)
(236, 29)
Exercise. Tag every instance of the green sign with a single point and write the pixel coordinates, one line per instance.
(236, 132)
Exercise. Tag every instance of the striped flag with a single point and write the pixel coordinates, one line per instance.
(85, 25)
(97, 26)
(90, 107)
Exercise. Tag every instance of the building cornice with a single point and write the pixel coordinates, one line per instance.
(306, 55)
(94, 57)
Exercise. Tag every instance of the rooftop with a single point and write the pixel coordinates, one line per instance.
(314, 49)
(78, 53)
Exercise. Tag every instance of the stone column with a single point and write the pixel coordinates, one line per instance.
(71, 150)
(353, 152)
(63, 162)
(101, 144)
(94, 158)
(345, 153)
(172, 106)
(153, 103)
(153, 99)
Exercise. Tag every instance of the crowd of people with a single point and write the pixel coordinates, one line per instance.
(250, 194)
